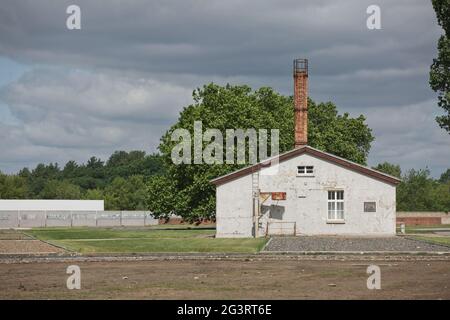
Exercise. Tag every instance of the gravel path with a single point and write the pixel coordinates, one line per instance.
(313, 243)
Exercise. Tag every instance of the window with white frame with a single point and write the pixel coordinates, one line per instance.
(305, 170)
(335, 205)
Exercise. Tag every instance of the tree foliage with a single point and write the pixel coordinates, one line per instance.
(445, 177)
(60, 189)
(120, 181)
(389, 168)
(126, 194)
(440, 69)
(13, 187)
(419, 192)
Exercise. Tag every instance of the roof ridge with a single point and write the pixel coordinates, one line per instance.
(315, 152)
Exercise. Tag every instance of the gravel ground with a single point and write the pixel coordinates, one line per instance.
(312, 243)
(205, 279)
(443, 233)
(27, 247)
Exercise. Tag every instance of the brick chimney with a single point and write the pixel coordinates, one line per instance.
(301, 102)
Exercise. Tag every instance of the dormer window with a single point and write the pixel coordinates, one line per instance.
(305, 170)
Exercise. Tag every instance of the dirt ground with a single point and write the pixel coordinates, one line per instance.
(16, 242)
(27, 246)
(202, 279)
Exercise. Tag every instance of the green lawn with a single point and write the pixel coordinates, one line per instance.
(111, 233)
(425, 228)
(108, 240)
(435, 240)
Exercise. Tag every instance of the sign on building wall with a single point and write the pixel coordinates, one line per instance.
(370, 206)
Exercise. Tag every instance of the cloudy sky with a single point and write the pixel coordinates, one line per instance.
(121, 80)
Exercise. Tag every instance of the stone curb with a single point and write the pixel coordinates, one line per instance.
(319, 256)
(391, 253)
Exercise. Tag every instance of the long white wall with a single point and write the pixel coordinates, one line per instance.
(52, 205)
(306, 202)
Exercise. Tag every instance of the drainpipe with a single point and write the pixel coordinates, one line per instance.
(256, 208)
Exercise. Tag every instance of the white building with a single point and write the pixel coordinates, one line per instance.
(325, 195)
(312, 193)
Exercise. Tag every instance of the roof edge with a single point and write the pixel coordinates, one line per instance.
(314, 152)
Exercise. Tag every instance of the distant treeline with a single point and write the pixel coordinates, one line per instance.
(418, 191)
(123, 179)
(120, 181)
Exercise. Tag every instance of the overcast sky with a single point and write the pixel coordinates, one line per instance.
(120, 81)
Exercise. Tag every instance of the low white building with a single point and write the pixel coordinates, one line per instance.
(312, 192)
(324, 195)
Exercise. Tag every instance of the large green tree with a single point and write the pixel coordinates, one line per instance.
(186, 189)
(389, 168)
(440, 69)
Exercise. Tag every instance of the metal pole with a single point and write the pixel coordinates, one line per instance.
(96, 223)
(121, 218)
(18, 218)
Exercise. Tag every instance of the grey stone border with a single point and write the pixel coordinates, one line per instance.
(278, 256)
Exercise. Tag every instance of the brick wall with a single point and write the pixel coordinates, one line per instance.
(301, 108)
(415, 221)
(414, 218)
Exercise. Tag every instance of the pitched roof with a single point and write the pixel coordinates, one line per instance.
(313, 152)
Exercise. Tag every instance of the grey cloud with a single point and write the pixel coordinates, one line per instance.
(61, 113)
(225, 37)
(102, 96)
(404, 136)
(141, 60)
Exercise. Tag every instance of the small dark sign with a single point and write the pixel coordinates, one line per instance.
(370, 207)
